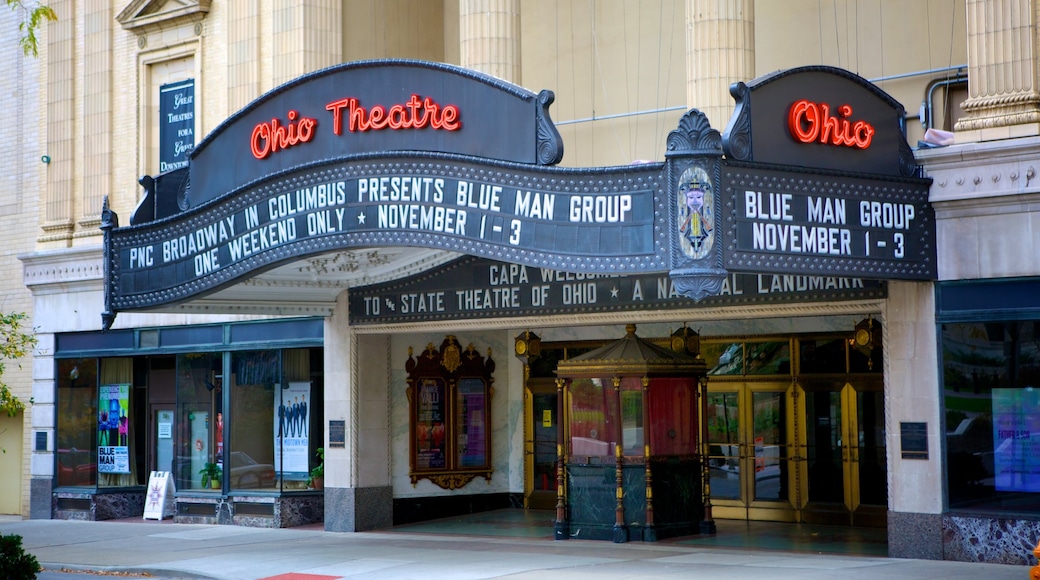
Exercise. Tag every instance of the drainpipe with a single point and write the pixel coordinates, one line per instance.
(926, 106)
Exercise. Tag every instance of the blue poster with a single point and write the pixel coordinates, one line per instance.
(1016, 439)
(113, 429)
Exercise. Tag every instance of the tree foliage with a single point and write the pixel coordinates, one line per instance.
(33, 15)
(15, 343)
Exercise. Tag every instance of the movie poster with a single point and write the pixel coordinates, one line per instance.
(1016, 439)
(114, 429)
(292, 425)
(432, 410)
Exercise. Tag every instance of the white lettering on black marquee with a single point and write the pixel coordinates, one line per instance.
(489, 212)
(517, 290)
(791, 223)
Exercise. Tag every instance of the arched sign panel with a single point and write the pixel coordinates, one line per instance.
(374, 107)
(405, 153)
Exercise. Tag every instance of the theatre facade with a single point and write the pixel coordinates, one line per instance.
(793, 252)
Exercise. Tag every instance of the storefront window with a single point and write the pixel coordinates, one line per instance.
(77, 422)
(991, 393)
(275, 419)
(198, 464)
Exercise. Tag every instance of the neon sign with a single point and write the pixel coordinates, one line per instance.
(415, 114)
(811, 122)
(270, 137)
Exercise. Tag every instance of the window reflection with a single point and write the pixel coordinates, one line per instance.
(991, 375)
(77, 416)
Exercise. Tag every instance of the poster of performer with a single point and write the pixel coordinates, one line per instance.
(292, 425)
(114, 429)
(696, 203)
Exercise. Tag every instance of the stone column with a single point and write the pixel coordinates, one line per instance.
(489, 37)
(358, 495)
(720, 50)
(1003, 92)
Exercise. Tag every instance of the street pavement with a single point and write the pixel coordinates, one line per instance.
(75, 549)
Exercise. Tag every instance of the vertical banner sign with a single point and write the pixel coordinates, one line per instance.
(176, 124)
(113, 429)
(292, 425)
(1016, 440)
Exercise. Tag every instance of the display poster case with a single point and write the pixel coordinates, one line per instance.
(449, 414)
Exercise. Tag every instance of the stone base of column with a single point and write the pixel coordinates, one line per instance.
(41, 502)
(358, 509)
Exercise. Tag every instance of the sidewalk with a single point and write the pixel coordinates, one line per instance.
(166, 550)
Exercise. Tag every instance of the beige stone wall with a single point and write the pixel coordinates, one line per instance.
(399, 29)
(22, 179)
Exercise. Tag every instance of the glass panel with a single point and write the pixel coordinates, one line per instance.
(198, 401)
(873, 465)
(470, 425)
(672, 416)
(990, 374)
(769, 358)
(592, 418)
(301, 329)
(632, 416)
(769, 440)
(94, 341)
(823, 446)
(268, 422)
(545, 429)
(192, 335)
(822, 356)
(723, 416)
(77, 422)
(724, 358)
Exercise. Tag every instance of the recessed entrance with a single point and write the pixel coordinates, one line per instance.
(805, 446)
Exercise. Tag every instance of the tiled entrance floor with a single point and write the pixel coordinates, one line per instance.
(731, 533)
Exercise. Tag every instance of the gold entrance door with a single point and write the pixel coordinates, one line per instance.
(843, 455)
(750, 437)
(540, 433)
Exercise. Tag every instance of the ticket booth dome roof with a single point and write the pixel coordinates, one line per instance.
(631, 356)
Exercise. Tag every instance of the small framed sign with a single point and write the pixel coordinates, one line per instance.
(337, 433)
(913, 438)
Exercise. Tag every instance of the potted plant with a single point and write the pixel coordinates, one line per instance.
(317, 475)
(212, 475)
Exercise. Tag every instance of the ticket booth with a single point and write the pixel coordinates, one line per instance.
(631, 463)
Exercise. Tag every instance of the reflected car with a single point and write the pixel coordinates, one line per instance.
(247, 473)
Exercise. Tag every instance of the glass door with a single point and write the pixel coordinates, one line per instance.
(749, 442)
(540, 444)
(844, 453)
